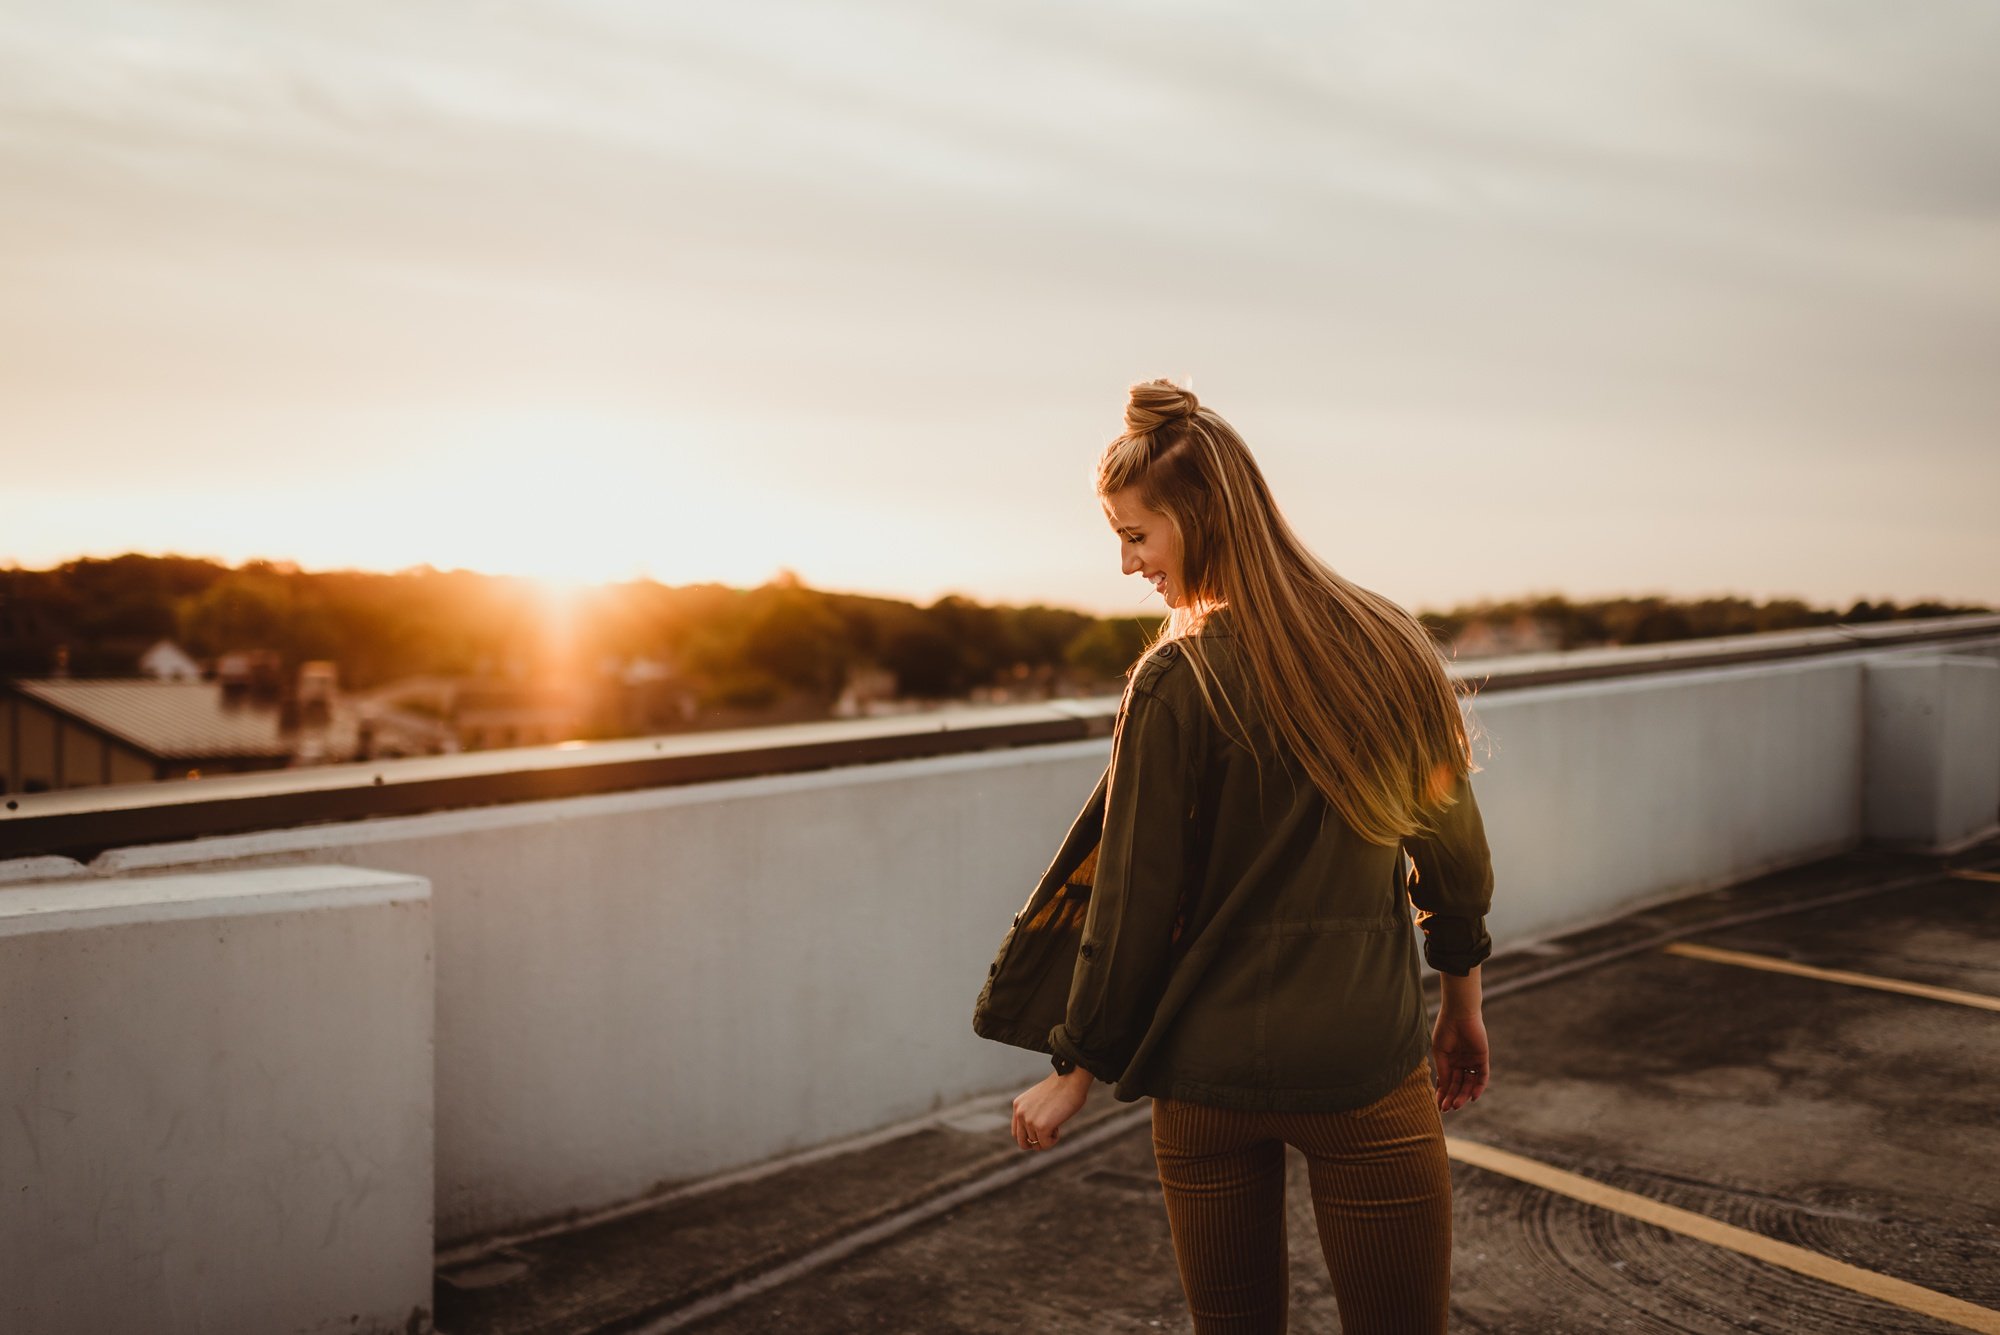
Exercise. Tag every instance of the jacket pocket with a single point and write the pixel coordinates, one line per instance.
(1027, 987)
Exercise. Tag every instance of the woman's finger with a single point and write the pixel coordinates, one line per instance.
(1451, 1083)
(1469, 1082)
(1461, 1084)
(1026, 1134)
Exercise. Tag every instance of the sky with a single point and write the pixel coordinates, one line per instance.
(1690, 297)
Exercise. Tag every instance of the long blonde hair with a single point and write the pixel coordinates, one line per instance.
(1369, 710)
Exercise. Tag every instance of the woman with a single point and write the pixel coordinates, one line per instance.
(1225, 926)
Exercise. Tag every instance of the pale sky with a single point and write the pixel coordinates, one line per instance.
(1687, 297)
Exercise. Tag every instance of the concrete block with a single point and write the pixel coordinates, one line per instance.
(221, 1104)
(1933, 751)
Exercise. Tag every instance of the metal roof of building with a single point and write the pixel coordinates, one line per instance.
(168, 719)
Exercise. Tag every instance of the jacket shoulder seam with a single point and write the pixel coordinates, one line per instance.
(1155, 666)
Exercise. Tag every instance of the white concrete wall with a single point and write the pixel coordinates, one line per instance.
(1933, 729)
(220, 1112)
(644, 988)
(1600, 795)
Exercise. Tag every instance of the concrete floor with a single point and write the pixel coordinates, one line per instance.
(1857, 1124)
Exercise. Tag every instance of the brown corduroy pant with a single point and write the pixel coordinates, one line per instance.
(1381, 1190)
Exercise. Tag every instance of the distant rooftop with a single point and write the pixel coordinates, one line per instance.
(174, 720)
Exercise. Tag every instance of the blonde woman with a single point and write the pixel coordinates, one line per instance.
(1226, 927)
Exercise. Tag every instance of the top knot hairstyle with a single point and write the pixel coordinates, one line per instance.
(1155, 403)
(1368, 709)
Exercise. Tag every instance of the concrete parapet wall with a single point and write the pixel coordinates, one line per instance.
(1933, 742)
(638, 989)
(221, 1115)
(1598, 796)
(641, 988)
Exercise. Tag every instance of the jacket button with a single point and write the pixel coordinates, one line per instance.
(1087, 950)
(993, 968)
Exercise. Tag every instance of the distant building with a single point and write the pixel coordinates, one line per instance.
(319, 688)
(61, 732)
(251, 673)
(81, 732)
(167, 661)
(488, 716)
(868, 690)
(1488, 638)
(642, 696)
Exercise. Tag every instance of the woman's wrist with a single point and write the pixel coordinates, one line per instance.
(1459, 994)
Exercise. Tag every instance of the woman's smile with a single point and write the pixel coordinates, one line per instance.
(1149, 540)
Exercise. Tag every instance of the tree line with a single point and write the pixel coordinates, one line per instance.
(741, 648)
(1657, 619)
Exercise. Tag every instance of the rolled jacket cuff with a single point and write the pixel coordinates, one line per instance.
(1062, 1046)
(1455, 946)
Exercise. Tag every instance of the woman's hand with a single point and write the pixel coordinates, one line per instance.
(1458, 1049)
(1040, 1111)
(1458, 1043)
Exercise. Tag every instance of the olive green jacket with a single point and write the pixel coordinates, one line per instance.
(1205, 936)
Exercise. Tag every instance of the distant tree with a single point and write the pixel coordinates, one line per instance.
(790, 635)
(979, 633)
(1107, 648)
(778, 639)
(1040, 636)
(1864, 611)
(927, 662)
(1932, 608)
(245, 610)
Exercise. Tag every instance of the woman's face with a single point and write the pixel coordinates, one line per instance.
(1149, 541)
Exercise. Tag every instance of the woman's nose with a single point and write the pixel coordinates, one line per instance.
(1131, 564)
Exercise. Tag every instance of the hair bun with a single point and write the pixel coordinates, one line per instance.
(1154, 403)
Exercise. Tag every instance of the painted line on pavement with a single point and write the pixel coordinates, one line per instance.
(1113, 1126)
(1900, 1293)
(488, 1245)
(1502, 986)
(1772, 964)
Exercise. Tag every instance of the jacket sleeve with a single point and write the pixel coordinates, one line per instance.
(1453, 886)
(1124, 956)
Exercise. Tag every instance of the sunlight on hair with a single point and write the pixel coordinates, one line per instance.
(1370, 711)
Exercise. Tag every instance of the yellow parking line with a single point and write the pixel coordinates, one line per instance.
(1964, 875)
(1912, 1297)
(1774, 965)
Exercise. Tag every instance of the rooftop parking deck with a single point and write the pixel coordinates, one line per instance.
(1767, 1107)
(648, 1034)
